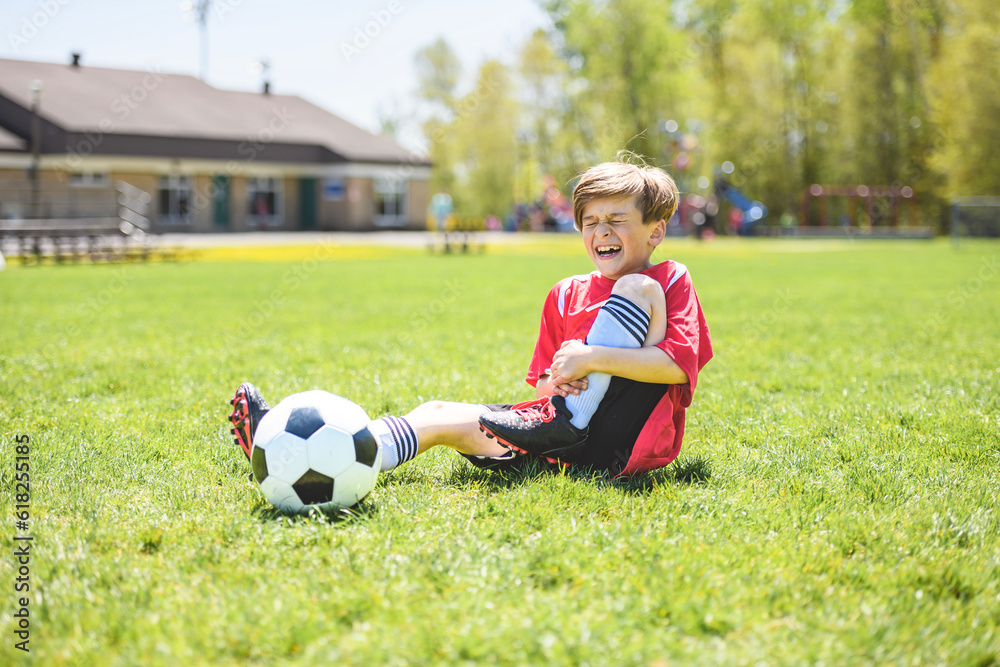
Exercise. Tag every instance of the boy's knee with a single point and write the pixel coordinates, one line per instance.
(638, 288)
(432, 406)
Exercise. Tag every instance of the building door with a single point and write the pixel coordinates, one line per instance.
(307, 203)
(220, 201)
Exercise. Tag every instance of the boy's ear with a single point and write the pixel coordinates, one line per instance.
(658, 232)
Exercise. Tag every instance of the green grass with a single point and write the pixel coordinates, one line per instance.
(835, 501)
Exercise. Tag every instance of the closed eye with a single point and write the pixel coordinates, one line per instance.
(594, 223)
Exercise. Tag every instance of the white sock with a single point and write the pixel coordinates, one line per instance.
(397, 439)
(619, 323)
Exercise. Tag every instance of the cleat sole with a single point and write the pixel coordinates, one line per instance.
(240, 419)
(519, 450)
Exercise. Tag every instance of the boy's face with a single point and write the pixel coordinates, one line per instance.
(616, 239)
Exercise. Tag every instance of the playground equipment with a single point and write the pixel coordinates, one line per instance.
(874, 209)
(865, 210)
(753, 212)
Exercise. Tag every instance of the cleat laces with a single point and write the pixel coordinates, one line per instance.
(544, 413)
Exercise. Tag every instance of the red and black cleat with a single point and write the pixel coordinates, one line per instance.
(538, 428)
(249, 407)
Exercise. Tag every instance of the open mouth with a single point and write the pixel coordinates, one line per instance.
(608, 251)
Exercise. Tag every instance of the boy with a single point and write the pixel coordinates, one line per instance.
(615, 365)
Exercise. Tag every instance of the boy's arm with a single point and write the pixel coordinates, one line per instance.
(649, 363)
(575, 361)
(686, 341)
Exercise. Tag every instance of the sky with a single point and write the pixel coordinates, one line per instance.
(352, 57)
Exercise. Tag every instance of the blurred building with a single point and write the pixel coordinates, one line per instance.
(209, 159)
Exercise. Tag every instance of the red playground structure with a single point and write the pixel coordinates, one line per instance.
(880, 204)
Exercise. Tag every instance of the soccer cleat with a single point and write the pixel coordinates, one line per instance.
(249, 407)
(540, 428)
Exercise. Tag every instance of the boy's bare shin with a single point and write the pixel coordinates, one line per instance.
(454, 425)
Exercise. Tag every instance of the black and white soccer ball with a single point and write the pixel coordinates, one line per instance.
(314, 450)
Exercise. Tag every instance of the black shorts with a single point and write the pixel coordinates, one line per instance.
(614, 428)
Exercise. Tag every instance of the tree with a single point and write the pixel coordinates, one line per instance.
(391, 120)
(485, 134)
(543, 75)
(629, 55)
(966, 100)
(438, 70)
(876, 92)
(767, 105)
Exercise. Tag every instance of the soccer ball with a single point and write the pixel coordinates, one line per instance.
(314, 450)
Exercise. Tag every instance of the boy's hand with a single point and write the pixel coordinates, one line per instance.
(567, 388)
(545, 386)
(568, 372)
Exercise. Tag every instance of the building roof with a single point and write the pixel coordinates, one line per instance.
(81, 99)
(11, 142)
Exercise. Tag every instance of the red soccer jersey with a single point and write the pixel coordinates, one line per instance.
(569, 312)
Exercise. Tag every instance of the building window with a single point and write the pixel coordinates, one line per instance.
(89, 179)
(175, 200)
(264, 201)
(390, 201)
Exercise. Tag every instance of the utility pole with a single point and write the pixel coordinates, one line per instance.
(197, 10)
(36, 147)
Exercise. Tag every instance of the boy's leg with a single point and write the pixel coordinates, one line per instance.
(634, 316)
(624, 321)
(454, 425)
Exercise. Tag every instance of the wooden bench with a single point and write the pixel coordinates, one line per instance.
(75, 240)
(117, 234)
(461, 235)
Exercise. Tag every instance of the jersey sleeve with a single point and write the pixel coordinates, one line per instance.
(688, 341)
(550, 337)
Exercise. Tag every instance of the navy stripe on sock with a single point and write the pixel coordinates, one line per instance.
(623, 315)
(398, 437)
(633, 318)
(628, 326)
(641, 315)
(410, 438)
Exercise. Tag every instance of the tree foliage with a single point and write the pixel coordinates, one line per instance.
(790, 92)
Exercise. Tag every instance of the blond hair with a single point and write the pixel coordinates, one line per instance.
(655, 192)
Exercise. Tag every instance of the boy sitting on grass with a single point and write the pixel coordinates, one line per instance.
(615, 365)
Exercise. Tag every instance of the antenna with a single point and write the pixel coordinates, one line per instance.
(263, 68)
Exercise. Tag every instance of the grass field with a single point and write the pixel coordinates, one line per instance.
(836, 500)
